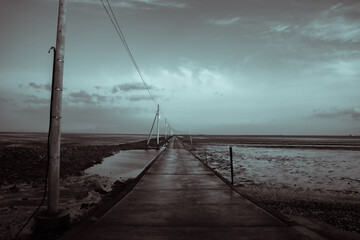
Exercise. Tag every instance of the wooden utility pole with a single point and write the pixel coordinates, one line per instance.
(165, 129)
(231, 166)
(152, 126)
(55, 118)
(157, 125)
(191, 139)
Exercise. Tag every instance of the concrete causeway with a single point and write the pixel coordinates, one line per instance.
(180, 198)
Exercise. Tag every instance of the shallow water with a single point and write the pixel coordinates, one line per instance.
(308, 169)
(123, 165)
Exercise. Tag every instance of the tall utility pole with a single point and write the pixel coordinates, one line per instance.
(56, 106)
(157, 125)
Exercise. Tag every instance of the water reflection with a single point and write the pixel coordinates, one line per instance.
(123, 165)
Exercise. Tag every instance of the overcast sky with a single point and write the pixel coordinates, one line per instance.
(223, 67)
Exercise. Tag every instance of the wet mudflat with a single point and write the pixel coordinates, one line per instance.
(316, 177)
(23, 162)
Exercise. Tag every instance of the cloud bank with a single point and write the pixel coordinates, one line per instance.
(347, 113)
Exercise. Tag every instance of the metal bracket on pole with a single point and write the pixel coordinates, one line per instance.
(52, 48)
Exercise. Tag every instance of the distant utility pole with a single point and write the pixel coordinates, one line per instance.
(190, 139)
(165, 129)
(152, 126)
(56, 105)
(157, 125)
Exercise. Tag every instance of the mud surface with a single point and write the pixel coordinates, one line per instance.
(23, 163)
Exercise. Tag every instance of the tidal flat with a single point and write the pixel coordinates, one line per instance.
(303, 177)
(23, 161)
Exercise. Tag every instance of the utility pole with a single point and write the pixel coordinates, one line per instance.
(56, 106)
(231, 166)
(152, 126)
(157, 125)
(165, 129)
(191, 139)
(54, 220)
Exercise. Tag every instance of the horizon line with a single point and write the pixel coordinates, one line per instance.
(193, 134)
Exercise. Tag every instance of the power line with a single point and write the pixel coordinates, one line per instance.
(123, 40)
(114, 21)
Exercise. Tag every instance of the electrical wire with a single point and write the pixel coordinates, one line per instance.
(117, 27)
(110, 13)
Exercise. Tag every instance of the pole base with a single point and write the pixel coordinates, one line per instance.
(47, 225)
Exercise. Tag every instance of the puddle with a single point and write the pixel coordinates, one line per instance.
(123, 165)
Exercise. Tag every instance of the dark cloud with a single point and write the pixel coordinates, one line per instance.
(351, 113)
(150, 4)
(40, 86)
(139, 98)
(115, 89)
(85, 97)
(36, 100)
(135, 4)
(132, 86)
(76, 118)
(116, 98)
(126, 87)
(99, 98)
(81, 97)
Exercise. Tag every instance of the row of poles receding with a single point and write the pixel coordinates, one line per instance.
(167, 128)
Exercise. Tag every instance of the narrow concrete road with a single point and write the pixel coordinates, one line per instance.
(180, 198)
